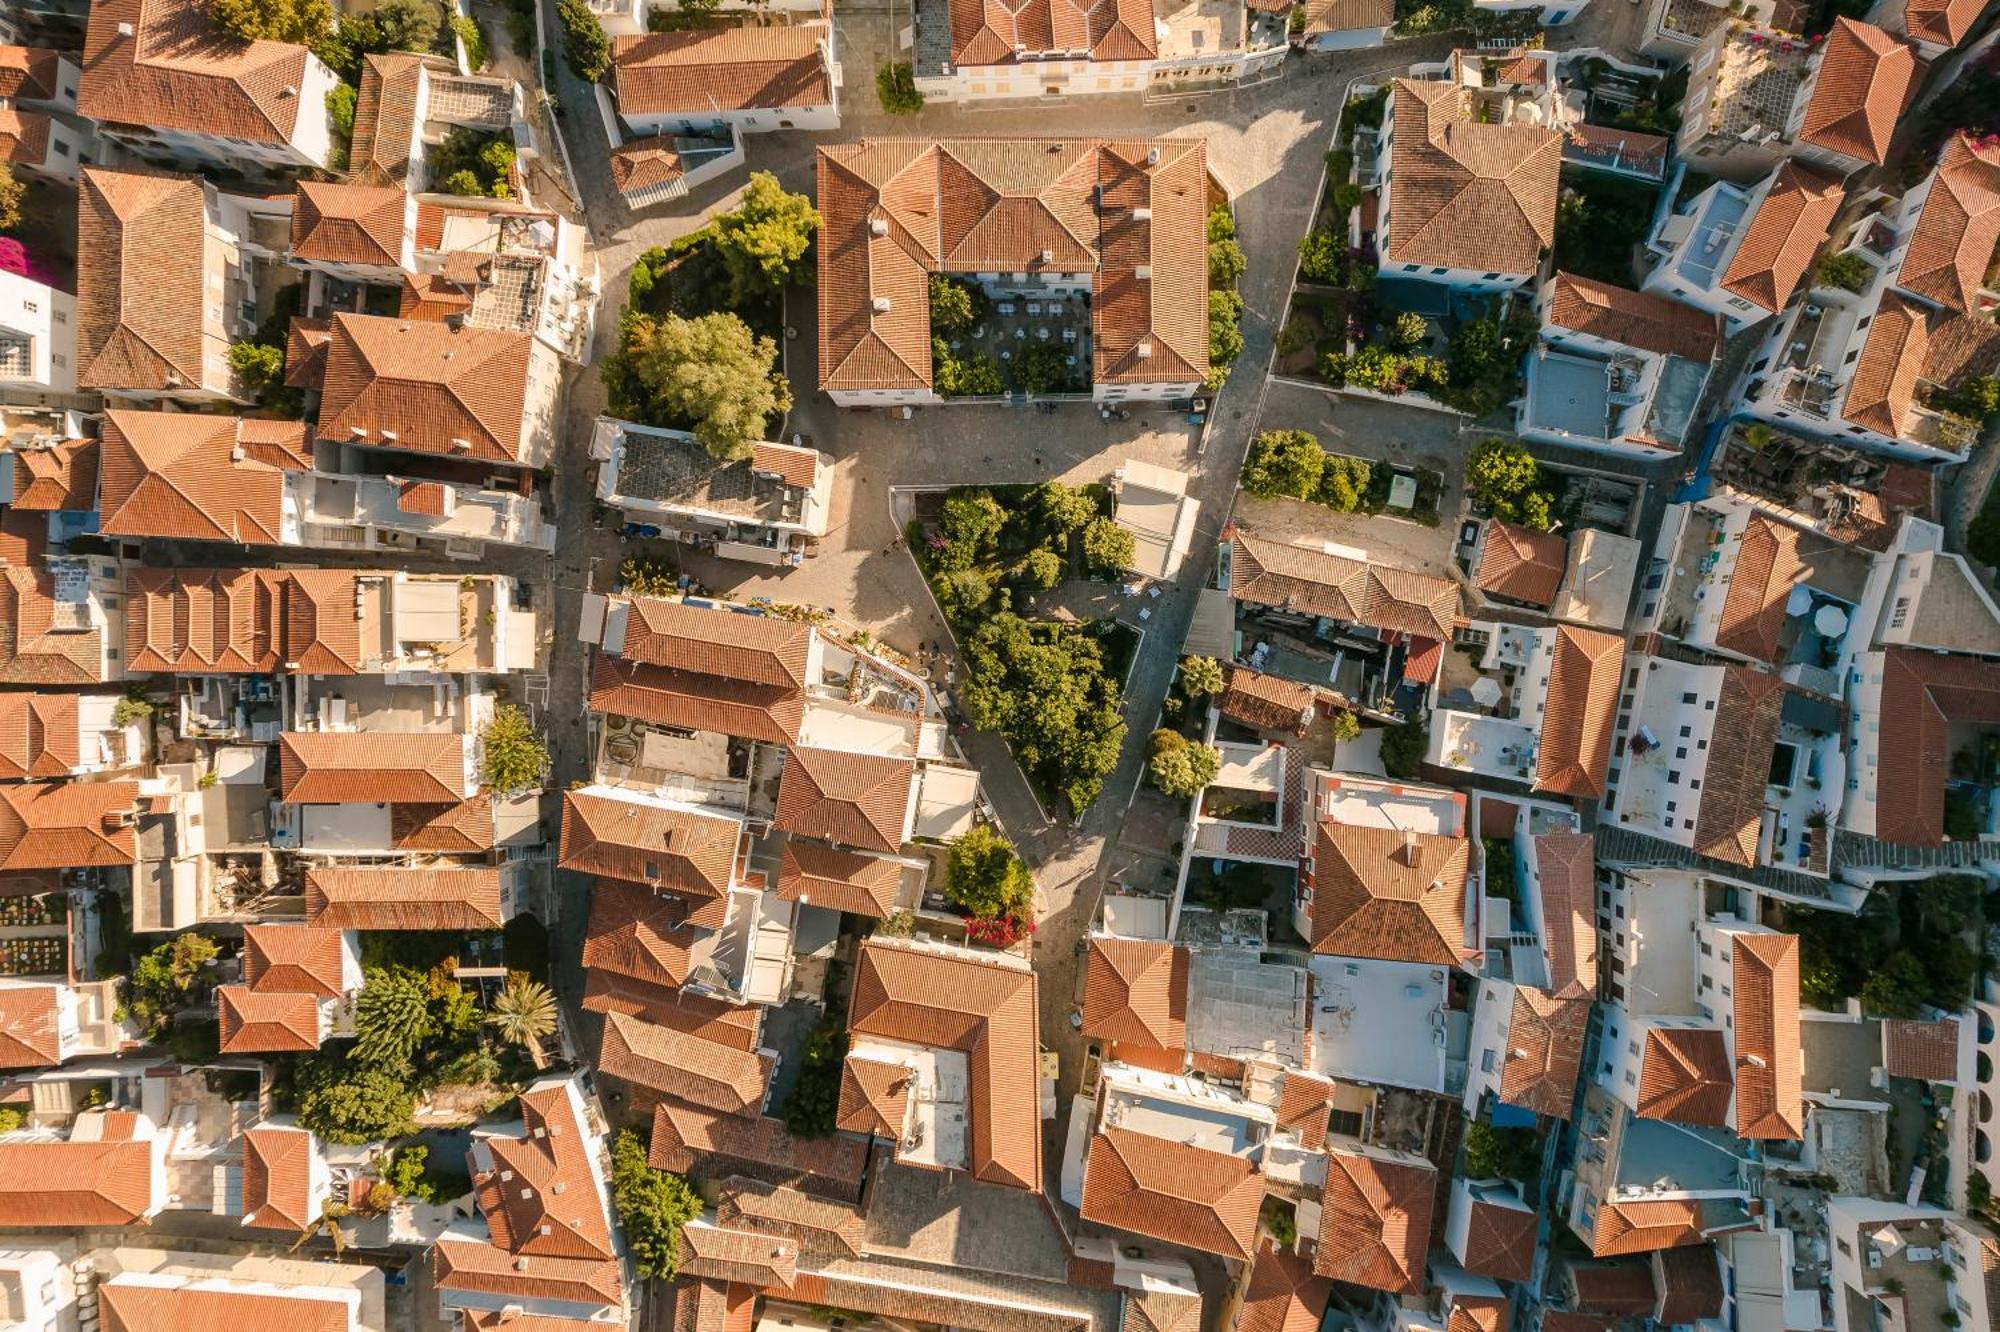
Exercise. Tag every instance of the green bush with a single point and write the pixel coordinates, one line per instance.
(1040, 569)
(1845, 270)
(586, 48)
(1107, 548)
(1225, 335)
(956, 377)
(1483, 366)
(1221, 224)
(1044, 368)
(1403, 749)
(896, 87)
(652, 1205)
(1504, 476)
(812, 1107)
(348, 1104)
(952, 306)
(1201, 676)
(1062, 509)
(340, 123)
(392, 1018)
(473, 163)
(1409, 330)
(161, 979)
(1344, 483)
(1322, 255)
(1346, 727)
(1180, 767)
(985, 878)
(469, 31)
(1226, 263)
(1491, 1153)
(1976, 398)
(1284, 462)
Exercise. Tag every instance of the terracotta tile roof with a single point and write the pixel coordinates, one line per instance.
(164, 65)
(266, 1023)
(428, 384)
(700, 1304)
(1927, 1050)
(985, 1010)
(796, 467)
(1284, 1294)
(233, 621)
(1375, 1221)
(294, 959)
(1386, 894)
(464, 826)
(691, 1138)
(198, 478)
(30, 1026)
(306, 341)
(29, 73)
(1866, 80)
(49, 826)
(674, 1063)
(642, 164)
(507, 1320)
(541, 1198)
(1753, 610)
(1467, 195)
(349, 224)
(45, 1183)
(1732, 793)
(1478, 1313)
(135, 1307)
(739, 1027)
(838, 880)
(1305, 1106)
(277, 1178)
(1521, 565)
(1574, 755)
(462, 1264)
(744, 1257)
(1566, 1320)
(339, 767)
(874, 1097)
(1545, 1038)
(1945, 22)
(1266, 702)
(1926, 693)
(1690, 1281)
(1784, 236)
(1565, 864)
(24, 137)
(993, 32)
(679, 849)
(1324, 16)
(1909, 343)
(1643, 1226)
(1172, 1191)
(145, 334)
(1615, 1289)
(1766, 999)
(640, 934)
(1952, 244)
(58, 478)
(24, 537)
(859, 800)
(1136, 990)
(1684, 1076)
(745, 708)
(1270, 573)
(394, 898)
(709, 640)
(34, 648)
(385, 118)
(39, 735)
(896, 210)
(1500, 1241)
(821, 1228)
(1634, 318)
(710, 70)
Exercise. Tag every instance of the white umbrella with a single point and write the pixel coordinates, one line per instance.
(1830, 620)
(1486, 691)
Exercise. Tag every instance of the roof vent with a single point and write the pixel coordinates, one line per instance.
(506, 1175)
(880, 305)
(1409, 847)
(236, 454)
(557, 1187)
(1048, 256)
(520, 1264)
(460, 445)
(1142, 215)
(124, 30)
(390, 435)
(878, 226)
(359, 432)
(1152, 157)
(289, 91)
(1144, 272)
(1144, 351)
(527, 1194)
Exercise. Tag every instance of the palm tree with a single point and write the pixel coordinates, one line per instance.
(524, 1012)
(329, 1222)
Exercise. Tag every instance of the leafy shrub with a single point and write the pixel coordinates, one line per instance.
(1201, 676)
(1845, 270)
(896, 87)
(512, 756)
(1180, 767)
(1346, 727)
(473, 163)
(1504, 476)
(653, 1207)
(977, 376)
(340, 123)
(1044, 368)
(984, 877)
(1403, 749)
(1226, 262)
(586, 48)
(1225, 337)
(348, 1104)
(813, 1105)
(952, 307)
(1410, 329)
(1321, 253)
(1040, 569)
(1284, 462)
(1221, 224)
(470, 32)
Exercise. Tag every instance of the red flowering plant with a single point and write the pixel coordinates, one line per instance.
(998, 932)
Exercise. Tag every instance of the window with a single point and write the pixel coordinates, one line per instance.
(1488, 1060)
(1492, 276)
(1686, 731)
(1689, 698)
(1632, 1047)
(60, 316)
(1411, 268)
(1708, 982)
(1673, 777)
(1631, 1078)
(32, 307)
(1680, 751)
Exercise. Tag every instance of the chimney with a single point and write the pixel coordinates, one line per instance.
(1409, 848)
(1144, 272)
(460, 445)
(1142, 215)
(289, 91)
(878, 226)
(1048, 256)
(236, 454)
(1144, 351)
(880, 305)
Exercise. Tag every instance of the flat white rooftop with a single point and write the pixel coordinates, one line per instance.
(935, 1132)
(1379, 1022)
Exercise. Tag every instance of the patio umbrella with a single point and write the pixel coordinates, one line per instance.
(1486, 691)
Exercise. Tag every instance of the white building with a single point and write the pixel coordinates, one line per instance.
(1741, 251)
(767, 508)
(37, 342)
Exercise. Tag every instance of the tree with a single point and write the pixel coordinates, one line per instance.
(12, 192)
(1346, 727)
(1062, 509)
(405, 1174)
(1977, 398)
(1200, 676)
(1107, 548)
(1896, 988)
(1410, 329)
(586, 48)
(1322, 255)
(1403, 749)
(951, 305)
(653, 1206)
(1226, 262)
(472, 34)
(160, 981)
(1843, 269)
(348, 1104)
(985, 877)
(643, 577)
(813, 1106)
(952, 377)
(1343, 483)
(392, 1017)
(1499, 474)
(259, 365)
(1043, 368)
(1284, 462)
(1492, 1153)
(1225, 338)
(762, 239)
(1221, 224)
(1047, 689)
(711, 373)
(1041, 569)
(1181, 767)
(301, 22)
(896, 87)
(523, 1013)
(512, 758)
(408, 25)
